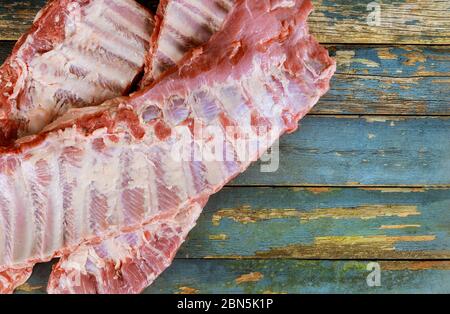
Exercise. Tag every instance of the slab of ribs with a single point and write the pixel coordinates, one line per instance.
(108, 115)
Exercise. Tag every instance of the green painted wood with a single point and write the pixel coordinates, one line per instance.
(337, 21)
(366, 150)
(287, 276)
(299, 277)
(323, 223)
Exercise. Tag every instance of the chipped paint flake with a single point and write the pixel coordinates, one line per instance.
(379, 246)
(26, 287)
(187, 290)
(218, 237)
(344, 57)
(251, 277)
(386, 54)
(413, 57)
(273, 292)
(247, 215)
(382, 119)
(362, 212)
(367, 62)
(320, 190)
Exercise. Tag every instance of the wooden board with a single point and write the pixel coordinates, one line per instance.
(333, 21)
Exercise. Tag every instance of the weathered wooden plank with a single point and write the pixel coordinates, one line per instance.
(365, 150)
(287, 276)
(337, 21)
(412, 80)
(323, 223)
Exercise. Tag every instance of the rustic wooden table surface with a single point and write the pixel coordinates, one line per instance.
(365, 179)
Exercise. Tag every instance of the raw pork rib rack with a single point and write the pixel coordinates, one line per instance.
(180, 26)
(102, 187)
(78, 53)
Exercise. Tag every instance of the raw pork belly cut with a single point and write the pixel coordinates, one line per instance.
(101, 172)
(180, 26)
(77, 53)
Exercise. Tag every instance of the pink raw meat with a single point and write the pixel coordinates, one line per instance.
(180, 26)
(127, 263)
(77, 53)
(112, 166)
(73, 56)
